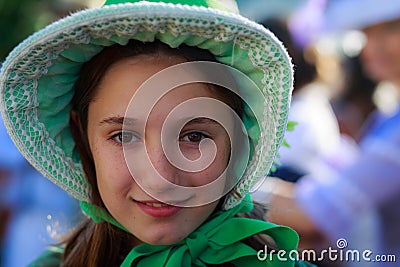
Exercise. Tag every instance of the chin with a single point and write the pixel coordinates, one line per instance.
(166, 238)
(163, 241)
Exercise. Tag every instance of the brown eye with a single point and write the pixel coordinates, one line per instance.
(194, 137)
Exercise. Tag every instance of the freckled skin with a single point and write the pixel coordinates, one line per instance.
(116, 185)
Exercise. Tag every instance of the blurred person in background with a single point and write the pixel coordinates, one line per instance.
(310, 109)
(316, 145)
(355, 108)
(360, 202)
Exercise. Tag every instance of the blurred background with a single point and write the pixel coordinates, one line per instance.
(34, 213)
(346, 94)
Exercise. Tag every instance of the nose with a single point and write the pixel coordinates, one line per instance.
(151, 170)
(160, 163)
(155, 175)
(160, 169)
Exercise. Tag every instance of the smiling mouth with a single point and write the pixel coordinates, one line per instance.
(155, 204)
(151, 203)
(157, 209)
(181, 202)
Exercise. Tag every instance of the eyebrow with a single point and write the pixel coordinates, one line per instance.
(201, 120)
(118, 120)
(130, 121)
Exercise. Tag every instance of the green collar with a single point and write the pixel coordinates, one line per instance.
(216, 241)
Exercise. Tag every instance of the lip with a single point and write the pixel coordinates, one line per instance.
(157, 209)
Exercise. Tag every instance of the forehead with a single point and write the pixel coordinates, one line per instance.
(123, 79)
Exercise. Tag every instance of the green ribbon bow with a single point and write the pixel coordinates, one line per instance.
(216, 241)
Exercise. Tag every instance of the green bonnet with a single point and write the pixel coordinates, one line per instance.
(37, 78)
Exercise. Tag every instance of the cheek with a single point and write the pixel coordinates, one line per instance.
(112, 174)
(215, 170)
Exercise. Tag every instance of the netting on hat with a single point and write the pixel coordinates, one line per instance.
(37, 79)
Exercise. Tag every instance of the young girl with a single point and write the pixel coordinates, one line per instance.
(106, 103)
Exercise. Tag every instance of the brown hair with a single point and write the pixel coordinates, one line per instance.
(95, 244)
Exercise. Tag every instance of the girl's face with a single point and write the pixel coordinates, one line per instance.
(381, 55)
(148, 220)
